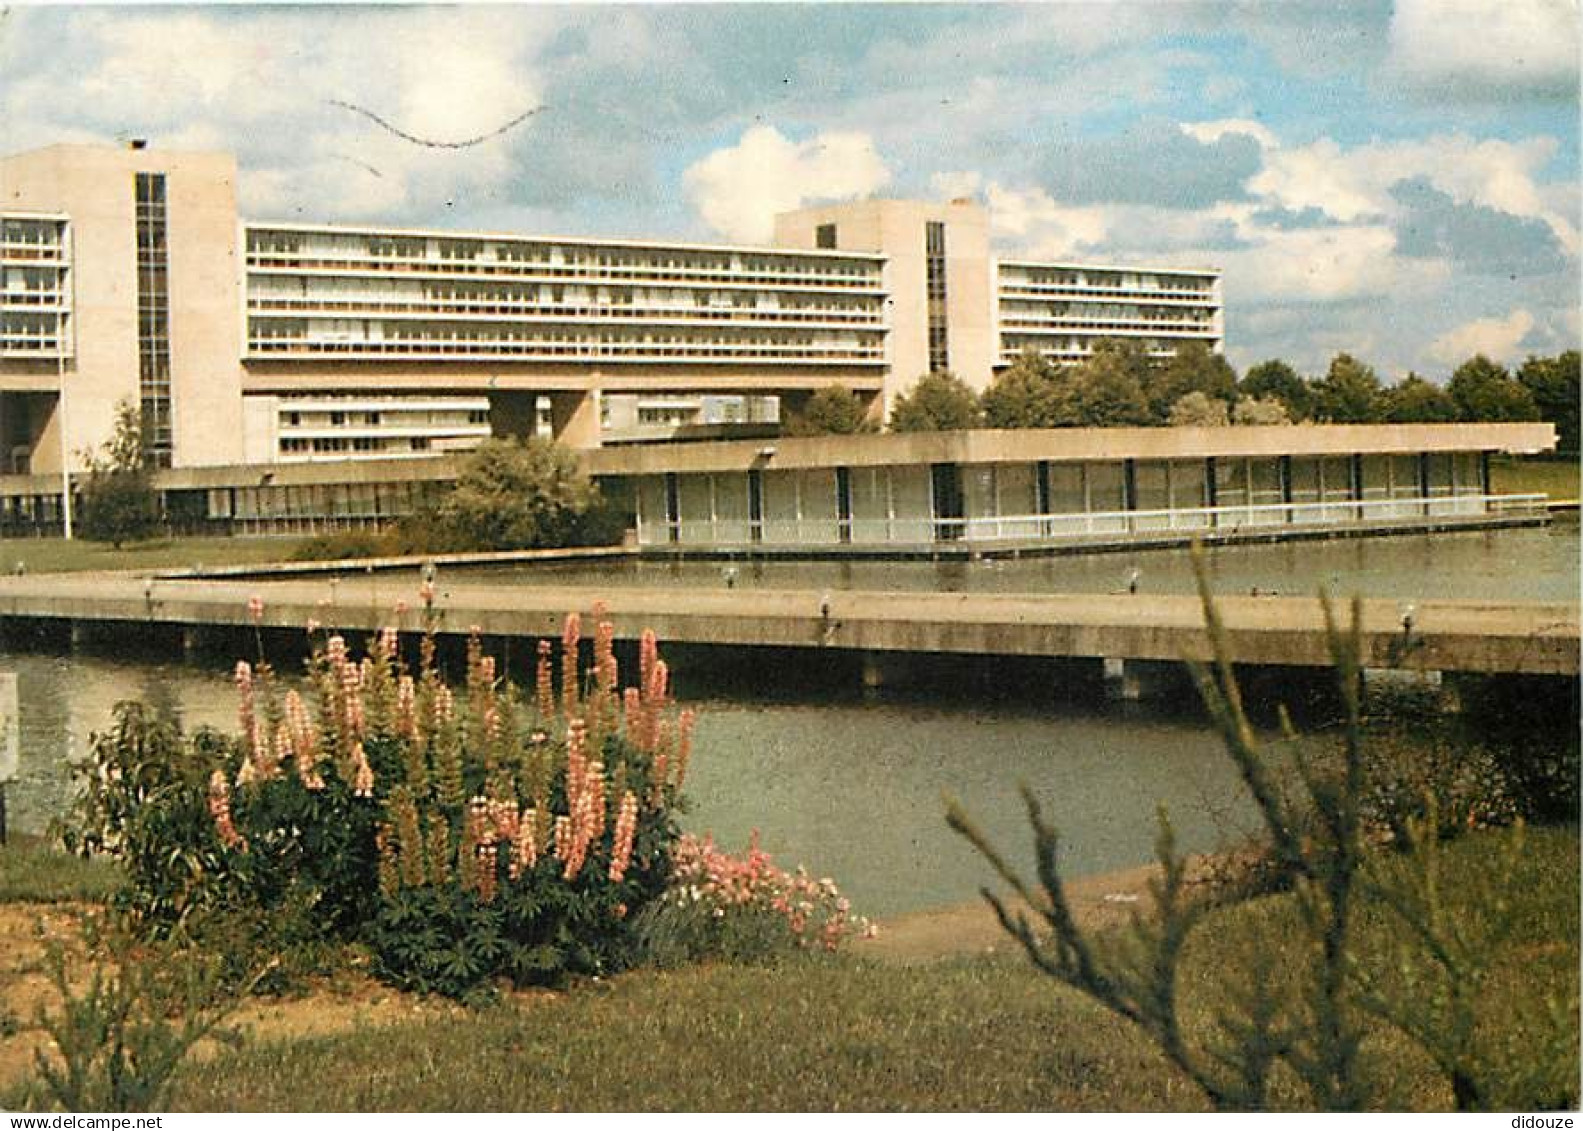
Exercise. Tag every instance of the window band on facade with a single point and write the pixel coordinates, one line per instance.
(935, 297)
(153, 318)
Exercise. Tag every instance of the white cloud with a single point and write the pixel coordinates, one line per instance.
(738, 190)
(1496, 338)
(262, 83)
(1354, 184)
(1211, 132)
(1450, 45)
(1028, 221)
(1324, 265)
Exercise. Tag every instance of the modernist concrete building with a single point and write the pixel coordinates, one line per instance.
(989, 491)
(298, 375)
(127, 274)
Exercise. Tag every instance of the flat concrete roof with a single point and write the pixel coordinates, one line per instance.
(1069, 445)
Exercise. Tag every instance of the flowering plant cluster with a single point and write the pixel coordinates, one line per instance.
(718, 905)
(463, 833)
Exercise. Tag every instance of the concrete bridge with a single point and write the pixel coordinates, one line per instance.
(1448, 636)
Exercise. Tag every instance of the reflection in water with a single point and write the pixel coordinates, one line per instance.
(1527, 564)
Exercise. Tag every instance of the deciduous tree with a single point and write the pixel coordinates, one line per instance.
(119, 502)
(1275, 378)
(1552, 382)
(834, 410)
(515, 494)
(1414, 400)
(1031, 393)
(1198, 410)
(1194, 368)
(939, 402)
(1110, 386)
(1484, 390)
(1350, 393)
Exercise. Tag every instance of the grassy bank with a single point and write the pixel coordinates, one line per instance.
(983, 1032)
(58, 555)
(30, 872)
(1557, 478)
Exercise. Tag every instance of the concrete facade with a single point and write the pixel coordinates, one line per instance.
(898, 230)
(95, 187)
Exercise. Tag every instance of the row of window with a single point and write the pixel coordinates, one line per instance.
(547, 255)
(1102, 280)
(350, 330)
(810, 280)
(700, 313)
(535, 351)
(1011, 344)
(329, 445)
(1063, 325)
(396, 418)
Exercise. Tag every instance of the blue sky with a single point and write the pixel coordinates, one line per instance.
(1400, 181)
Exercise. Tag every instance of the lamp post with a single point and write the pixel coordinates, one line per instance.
(65, 452)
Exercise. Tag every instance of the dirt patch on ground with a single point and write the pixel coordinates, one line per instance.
(350, 1002)
(924, 936)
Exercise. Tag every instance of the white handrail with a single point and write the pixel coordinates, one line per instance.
(883, 530)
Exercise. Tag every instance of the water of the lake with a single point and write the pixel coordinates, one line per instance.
(851, 786)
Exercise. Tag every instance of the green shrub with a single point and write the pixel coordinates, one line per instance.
(344, 544)
(1416, 764)
(141, 800)
(1530, 725)
(462, 834)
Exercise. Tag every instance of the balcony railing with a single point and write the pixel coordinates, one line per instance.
(902, 530)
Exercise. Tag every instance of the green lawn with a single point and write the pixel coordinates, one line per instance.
(1557, 478)
(984, 1033)
(33, 873)
(57, 555)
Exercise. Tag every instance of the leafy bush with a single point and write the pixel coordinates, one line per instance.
(743, 909)
(1530, 725)
(344, 544)
(1417, 761)
(461, 834)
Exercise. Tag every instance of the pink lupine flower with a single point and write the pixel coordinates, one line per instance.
(255, 608)
(684, 742)
(247, 718)
(544, 687)
(632, 708)
(488, 874)
(363, 773)
(571, 637)
(407, 707)
(606, 672)
(525, 845)
(626, 829)
(220, 810)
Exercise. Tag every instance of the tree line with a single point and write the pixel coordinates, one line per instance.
(1119, 384)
